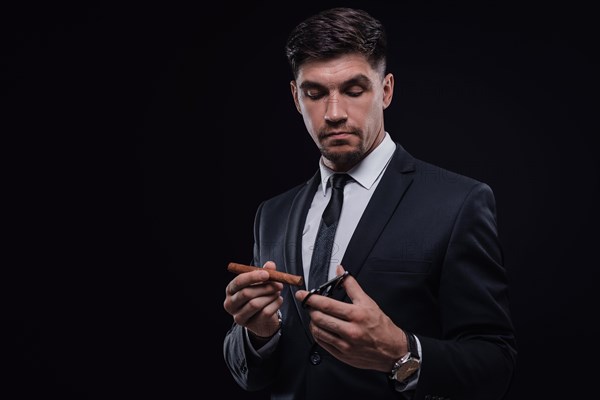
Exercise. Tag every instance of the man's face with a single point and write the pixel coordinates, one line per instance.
(342, 102)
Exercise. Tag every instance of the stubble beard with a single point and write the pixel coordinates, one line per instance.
(347, 158)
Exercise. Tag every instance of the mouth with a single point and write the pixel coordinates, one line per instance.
(338, 135)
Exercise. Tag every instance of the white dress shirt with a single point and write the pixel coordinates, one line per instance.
(357, 193)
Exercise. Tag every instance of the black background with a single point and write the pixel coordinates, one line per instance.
(139, 140)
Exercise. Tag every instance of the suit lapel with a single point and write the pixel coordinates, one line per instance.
(386, 198)
(292, 252)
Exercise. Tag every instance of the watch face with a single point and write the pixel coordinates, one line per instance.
(407, 369)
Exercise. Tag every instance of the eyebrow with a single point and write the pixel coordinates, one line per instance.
(360, 80)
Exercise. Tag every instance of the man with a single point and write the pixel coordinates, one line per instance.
(424, 313)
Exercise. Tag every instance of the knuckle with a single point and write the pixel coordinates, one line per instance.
(263, 314)
(332, 326)
(326, 307)
(241, 296)
(253, 304)
(353, 333)
(344, 347)
(315, 331)
(316, 317)
(355, 314)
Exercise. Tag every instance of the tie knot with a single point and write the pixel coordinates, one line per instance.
(338, 181)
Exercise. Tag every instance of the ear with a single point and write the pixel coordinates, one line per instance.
(388, 90)
(294, 89)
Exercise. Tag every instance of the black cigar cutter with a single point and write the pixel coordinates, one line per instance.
(327, 288)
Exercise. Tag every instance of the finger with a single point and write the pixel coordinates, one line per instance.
(326, 305)
(270, 265)
(272, 307)
(301, 294)
(326, 337)
(353, 289)
(254, 291)
(339, 327)
(266, 313)
(246, 279)
(253, 308)
(265, 322)
(234, 303)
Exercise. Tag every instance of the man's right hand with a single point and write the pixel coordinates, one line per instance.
(253, 302)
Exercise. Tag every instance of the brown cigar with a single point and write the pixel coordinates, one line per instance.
(276, 276)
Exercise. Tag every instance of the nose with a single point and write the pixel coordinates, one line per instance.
(335, 110)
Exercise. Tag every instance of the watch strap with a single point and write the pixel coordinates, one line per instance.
(411, 343)
(408, 364)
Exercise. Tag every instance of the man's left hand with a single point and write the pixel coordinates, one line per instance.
(359, 334)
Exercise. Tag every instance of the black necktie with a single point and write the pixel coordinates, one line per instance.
(321, 256)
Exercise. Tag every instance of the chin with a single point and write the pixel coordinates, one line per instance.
(342, 154)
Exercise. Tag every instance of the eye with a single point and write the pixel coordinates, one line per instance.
(355, 91)
(314, 94)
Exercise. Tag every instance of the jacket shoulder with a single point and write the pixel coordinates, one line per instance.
(431, 174)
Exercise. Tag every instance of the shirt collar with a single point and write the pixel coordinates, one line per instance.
(367, 170)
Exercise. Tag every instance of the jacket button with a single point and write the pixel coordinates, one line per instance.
(244, 369)
(315, 358)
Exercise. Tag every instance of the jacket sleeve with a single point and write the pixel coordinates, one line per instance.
(476, 356)
(249, 371)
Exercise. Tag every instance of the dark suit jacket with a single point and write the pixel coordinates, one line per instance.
(426, 250)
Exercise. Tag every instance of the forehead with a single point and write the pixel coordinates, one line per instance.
(336, 70)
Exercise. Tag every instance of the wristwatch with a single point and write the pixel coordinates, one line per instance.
(404, 369)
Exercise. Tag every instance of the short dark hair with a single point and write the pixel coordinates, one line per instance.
(335, 32)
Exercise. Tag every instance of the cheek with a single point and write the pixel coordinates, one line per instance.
(312, 117)
(311, 126)
(374, 112)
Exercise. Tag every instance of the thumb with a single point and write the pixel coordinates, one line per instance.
(353, 289)
(270, 265)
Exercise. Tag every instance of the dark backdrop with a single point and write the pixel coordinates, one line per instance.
(139, 140)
